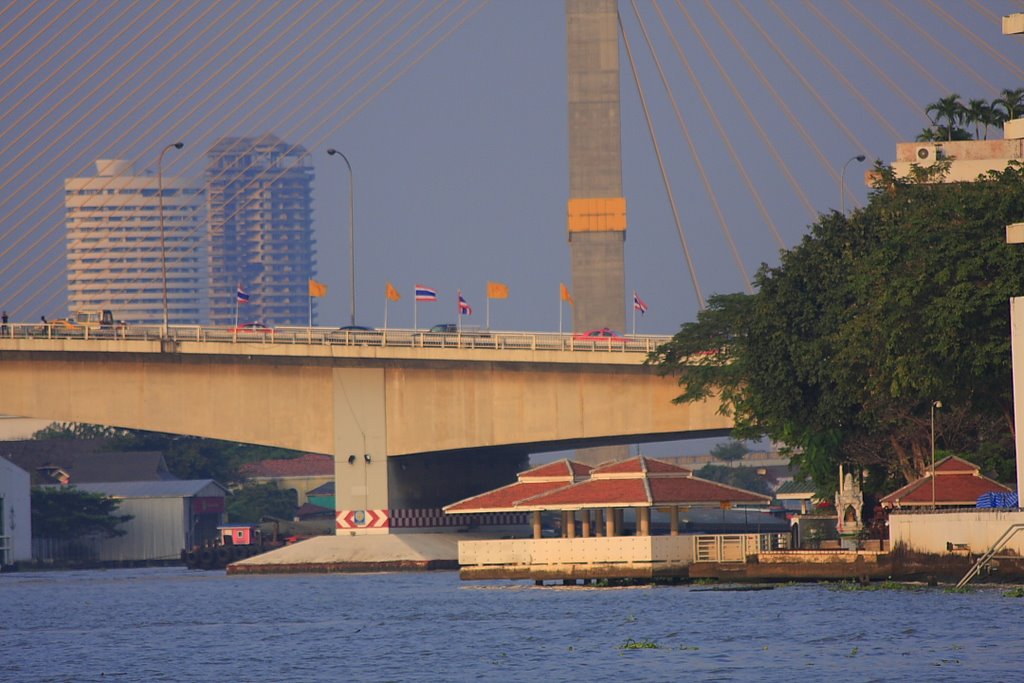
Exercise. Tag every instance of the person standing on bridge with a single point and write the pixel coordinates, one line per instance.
(3, 322)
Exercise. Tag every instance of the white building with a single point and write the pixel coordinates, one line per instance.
(167, 517)
(113, 244)
(967, 158)
(15, 514)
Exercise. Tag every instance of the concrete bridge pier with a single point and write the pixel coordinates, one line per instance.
(377, 494)
(360, 451)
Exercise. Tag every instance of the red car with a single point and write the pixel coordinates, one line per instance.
(252, 327)
(603, 335)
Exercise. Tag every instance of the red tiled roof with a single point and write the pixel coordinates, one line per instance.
(639, 465)
(640, 481)
(957, 483)
(308, 465)
(558, 468)
(533, 482)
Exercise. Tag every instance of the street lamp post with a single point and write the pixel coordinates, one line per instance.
(351, 237)
(935, 405)
(163, 248)
(842, 180)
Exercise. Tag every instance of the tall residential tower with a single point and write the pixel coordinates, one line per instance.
(260, 210)
(113, 245)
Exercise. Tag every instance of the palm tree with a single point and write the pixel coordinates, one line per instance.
(1012, 102)
(948, 108)
(978, 113)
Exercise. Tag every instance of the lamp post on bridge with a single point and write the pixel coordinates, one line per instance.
(842, 180)
(935, 405)
(163, 248)
(351, 236)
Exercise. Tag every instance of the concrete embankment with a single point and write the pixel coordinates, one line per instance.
(365, 553)
(899, 566)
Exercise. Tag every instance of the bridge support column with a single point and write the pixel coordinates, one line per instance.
(360, 452)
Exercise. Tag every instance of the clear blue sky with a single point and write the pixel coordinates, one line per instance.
(461, 172)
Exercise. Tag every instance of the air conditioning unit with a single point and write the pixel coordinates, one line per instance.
(927, 154)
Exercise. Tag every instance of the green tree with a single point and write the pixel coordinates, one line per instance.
(1011, 102)
(745, 478)
(978, 113)
(862, 325)
(729, 451)
(949, 109)
(187, 457)
(76, 430)
(67, 513)
(253, 502)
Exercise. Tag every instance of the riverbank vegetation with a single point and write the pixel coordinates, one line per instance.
(187, 457)
(846, 345)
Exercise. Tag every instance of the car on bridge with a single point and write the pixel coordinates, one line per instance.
(358, 334)
(252, 328)
(602, 335)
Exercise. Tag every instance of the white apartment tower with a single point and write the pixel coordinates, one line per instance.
(113, 245)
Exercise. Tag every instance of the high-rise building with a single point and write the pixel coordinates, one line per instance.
(113, 245)
(260, 210)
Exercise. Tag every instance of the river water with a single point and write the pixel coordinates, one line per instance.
(170, 624)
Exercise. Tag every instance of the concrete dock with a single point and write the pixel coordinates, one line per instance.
(361, 553)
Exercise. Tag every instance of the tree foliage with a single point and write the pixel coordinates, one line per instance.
(745, 478)
(67, 513)
(76, 430)
(187, 457)
(729, 451)
(861, 326)
(253, 502)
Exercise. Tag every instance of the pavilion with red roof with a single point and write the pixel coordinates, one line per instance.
(537, 481)
(957, 483)
(640, 483)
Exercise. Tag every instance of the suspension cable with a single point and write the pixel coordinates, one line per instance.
(661, 167)
(694, 153)
(726, 140)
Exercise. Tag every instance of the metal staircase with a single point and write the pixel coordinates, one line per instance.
(1010, 532)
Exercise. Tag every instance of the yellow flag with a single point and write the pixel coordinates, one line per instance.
(317, 288)
(496, 290)
(566, 296)
(392, 293)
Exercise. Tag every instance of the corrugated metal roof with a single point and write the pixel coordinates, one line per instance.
(176, 488)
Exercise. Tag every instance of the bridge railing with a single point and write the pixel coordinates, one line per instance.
(392, 337)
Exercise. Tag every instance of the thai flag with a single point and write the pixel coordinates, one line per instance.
(425, 293)
(638, 303)
(464, 307)
(243, 296)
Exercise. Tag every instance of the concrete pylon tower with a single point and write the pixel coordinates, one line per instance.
(596, 207)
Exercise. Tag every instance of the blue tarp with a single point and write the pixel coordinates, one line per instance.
(997, 500)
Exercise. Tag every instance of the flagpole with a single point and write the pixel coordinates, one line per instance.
(488, 317)
(634, 312)
(311, 310)
(559, 311)
(386, 310)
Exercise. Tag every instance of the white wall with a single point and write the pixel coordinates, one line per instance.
(15, 496)
(977, 530)
(157, 531)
